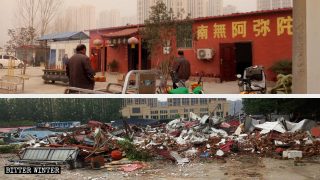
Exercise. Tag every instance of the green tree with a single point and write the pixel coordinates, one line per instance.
(160, 31)
(19, 112)
(298, 108)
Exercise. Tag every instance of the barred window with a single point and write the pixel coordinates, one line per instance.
(184, 36)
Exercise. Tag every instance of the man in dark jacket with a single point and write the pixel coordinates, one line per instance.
(181, 69)
(79, 70)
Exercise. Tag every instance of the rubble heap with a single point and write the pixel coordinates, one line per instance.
(99, 145)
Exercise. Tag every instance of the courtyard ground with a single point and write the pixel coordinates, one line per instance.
(36, 85)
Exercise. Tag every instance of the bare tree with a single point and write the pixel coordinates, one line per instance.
(48, 10)
(27, 12)
(37, 14)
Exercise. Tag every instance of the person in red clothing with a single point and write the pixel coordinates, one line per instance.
(93, 61)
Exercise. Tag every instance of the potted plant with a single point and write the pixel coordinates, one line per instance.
(113, 65)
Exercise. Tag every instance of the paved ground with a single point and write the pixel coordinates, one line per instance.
(35, 84)
(237, 167)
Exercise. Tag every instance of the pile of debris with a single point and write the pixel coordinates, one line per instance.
(100, 145)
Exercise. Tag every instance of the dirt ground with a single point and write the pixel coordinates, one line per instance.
(35, 84)
(235, 167)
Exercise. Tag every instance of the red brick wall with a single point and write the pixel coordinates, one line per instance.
(265, 50)
(120, 54)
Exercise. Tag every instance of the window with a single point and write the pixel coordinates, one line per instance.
(154, 117)
(154, 112)
(185, 101)
(176, 102)
(194, 101)
(5, 57)
(136, 101)
(136, 110)
(174, 111)
(61, 54)
(203, 101)
(184, 35)
(186, 110)
(163, 116)
(163, 111)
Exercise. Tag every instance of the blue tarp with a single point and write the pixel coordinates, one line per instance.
(38, 133)
(66, 36)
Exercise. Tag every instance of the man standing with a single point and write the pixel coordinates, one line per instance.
(79, 70)
(181, 69)
(65, 60)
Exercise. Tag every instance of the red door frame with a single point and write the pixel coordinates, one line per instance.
(227, 62)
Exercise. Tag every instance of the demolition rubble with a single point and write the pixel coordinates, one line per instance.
(127, 145)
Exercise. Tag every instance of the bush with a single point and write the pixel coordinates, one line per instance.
(282, 67)
(132, 152)
(12, 148)
(2, 142)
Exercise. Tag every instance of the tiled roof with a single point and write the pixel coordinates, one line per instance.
(122, 33)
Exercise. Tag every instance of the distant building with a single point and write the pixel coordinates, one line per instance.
(273, 4)
(77, 18)
(127, 20)
(215, 7)
(229, 9)
(143, 109)
(194, 8)
(143, 9)
(109, 18)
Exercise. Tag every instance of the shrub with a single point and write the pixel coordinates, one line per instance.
(132, 152)
(282, 67)
(9, 148)
(113, 64)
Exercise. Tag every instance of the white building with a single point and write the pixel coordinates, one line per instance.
(143, 9)
(215, 7)
(64, 43)
(196, 8)
(273, 4)
(230, 9)
(109, 18)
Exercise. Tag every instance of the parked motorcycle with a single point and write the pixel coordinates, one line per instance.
(253, 81)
